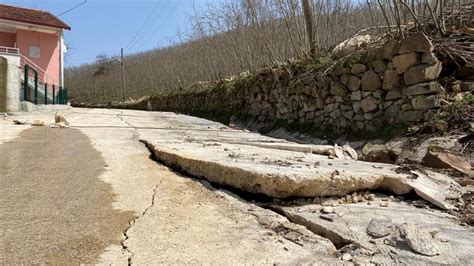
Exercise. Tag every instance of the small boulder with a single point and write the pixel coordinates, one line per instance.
(422, 73)
(37, 123)
(392, 114)
(412, 116)
(417, 42)
(371, 81)
(422, 102)
(380, 227)
(429, 58)
(378, 153)
(403, 62)
(340, 70)
(338, 89)
(419, 240)
(346, 257)
(423, 88)
(391, 80)
(356, 96)
(438, 158)
(358, 68)
(327, 210)
(19, 122)
(390, 49)
(393, 95)
(379, 66)
(353, 83)
(368, 104)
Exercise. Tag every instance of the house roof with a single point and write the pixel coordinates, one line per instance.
(31, 16)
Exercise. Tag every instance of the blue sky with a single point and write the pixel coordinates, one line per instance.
(104, 26)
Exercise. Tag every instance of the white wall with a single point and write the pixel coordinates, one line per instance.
(13, 83)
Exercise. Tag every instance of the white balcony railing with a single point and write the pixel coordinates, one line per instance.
(9, 50)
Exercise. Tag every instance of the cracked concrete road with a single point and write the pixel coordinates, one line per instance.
(175, 219)
(178, 220)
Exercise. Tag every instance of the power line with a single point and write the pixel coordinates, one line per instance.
(159, 21)
(72, 8)
(143, 26)
(173, 9)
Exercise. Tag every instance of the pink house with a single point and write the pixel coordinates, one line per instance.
(37, 38)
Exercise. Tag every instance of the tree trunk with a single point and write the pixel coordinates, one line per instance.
(309, 19)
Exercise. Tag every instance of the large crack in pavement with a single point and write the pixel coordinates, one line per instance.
(257, 200)
(341, 235)
(126, 249)
(307, 220)
(241, 201)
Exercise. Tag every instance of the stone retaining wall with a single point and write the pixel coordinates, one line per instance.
(393, 84)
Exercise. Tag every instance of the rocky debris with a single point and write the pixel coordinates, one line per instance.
(279, 224)
(33, 123)
(327, 210)
(346, 257)
(19, 121)
(417, 153)
(393, 238)
(59, 119)
(37, 123)
(419, 240)
(341, 152)
(378, 153)
(438, 158)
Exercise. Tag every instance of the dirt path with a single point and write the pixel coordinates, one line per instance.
(54, 208)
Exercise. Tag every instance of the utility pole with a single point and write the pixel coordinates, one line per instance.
(123, 73)
(309, 20)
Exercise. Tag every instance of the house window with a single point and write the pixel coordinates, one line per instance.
(35, 52)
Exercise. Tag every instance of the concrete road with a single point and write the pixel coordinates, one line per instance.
(91, 194)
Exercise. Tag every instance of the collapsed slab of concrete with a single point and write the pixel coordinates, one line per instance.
(257, 164)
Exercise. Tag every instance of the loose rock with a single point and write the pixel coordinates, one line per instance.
(419, 240)
(380, 227)
(417, 42)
